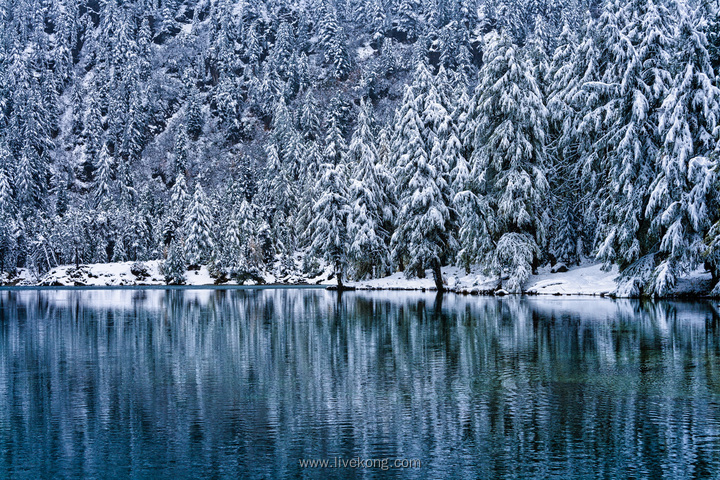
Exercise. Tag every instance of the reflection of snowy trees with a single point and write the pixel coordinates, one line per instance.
(472, 386)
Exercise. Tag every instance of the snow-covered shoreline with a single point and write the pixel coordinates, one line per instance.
(587, 280)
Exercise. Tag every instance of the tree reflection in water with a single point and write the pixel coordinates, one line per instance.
(244, 383)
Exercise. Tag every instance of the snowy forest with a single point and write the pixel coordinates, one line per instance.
(371, 136)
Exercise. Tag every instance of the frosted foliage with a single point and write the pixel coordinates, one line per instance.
(513, 257)
(685, 189)
(198, 225)
(6, 203)
(424, 224)
(173, 268)
(509, 155)
(104, 176)
(328, 229)
(364, 137)
(367, 199)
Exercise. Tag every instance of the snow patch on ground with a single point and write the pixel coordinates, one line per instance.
(103, 274)
(588, 280)
(697, 283)
(148, 273)
(116, 274)
(21, 277)
(582, 280)
(454, 278)
(396, 281)
(364, 53)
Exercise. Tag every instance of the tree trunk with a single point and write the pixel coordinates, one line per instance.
(437, 275)
(338, 274)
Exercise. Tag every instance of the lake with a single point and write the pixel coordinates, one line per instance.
(270, 383)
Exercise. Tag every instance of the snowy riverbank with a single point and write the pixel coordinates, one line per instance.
(587, 279)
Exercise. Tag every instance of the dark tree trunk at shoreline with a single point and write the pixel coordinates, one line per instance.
(437, 275)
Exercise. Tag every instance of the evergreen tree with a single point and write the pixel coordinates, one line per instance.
(7, 203)
(424, 225)
(180, 166)
(309, 119)
(232, 256)
(567, 240)
(198, 225)
(104, 169)
(508, 159)
(333, 40)
(684, 194)
(173, 268)
(194, 116)
(631, 142)
(8, 245)
(368, 250)
(328, 228)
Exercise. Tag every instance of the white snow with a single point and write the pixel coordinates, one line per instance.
(583, 280)
(364, 53)
(23, 276)
(586, 280)
(117, 274)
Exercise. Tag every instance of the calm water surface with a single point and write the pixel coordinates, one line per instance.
(247, 383)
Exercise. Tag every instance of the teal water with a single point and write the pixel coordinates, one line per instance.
(247, 383)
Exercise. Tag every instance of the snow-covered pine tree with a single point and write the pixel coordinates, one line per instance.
(7, 215)
(476, 219)
(328, 228)
(631, 143)
(282, 50)
(567, 243)
(173, 268)
(232, 248)
(180, 157)
(7, 203)
(406, 121)
(194, 116)
(407, 16)
(8, 244)
(333, 40)
(309, 120)
(584, 79)
(423, 234)
(385, 176)
(406, 143)
(104, 181)
(378, 17)
(92, 134)
(368, 251)
(312, 162)
(198, 227)
(684, 196)
(538, 49)
(508, 159)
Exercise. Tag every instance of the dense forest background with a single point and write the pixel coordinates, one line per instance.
(372, 136)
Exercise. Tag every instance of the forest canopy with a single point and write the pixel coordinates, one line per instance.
(368, 135)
